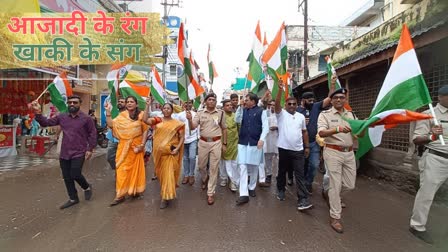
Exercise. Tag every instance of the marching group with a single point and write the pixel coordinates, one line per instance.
(240, 146)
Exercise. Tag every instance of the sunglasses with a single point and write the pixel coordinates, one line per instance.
(72, 102)
(292, 103)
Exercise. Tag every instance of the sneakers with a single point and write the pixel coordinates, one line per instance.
(281, 195)
(88, 193)
(422, 235)
(233, 187)
(223, 182)
(68, 204)
(303, 205)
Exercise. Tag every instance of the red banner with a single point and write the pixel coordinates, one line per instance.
(6, 137)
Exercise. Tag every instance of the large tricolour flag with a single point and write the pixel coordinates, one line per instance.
(188, 86)
(157, 87)
(59, 90)
(330, 72)
(119, 86)
(403, 91)
(255, 65)
(275, 57)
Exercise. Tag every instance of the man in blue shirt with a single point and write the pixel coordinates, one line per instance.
(311, 111)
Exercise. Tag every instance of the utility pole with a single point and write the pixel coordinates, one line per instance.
(305, 40)
(165, 46)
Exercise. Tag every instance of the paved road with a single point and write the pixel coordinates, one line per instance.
(376, 218)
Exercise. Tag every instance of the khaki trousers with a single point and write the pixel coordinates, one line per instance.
(212, 151)
(341, 167)
(433, 173)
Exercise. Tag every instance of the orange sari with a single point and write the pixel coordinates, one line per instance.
(130, 171)
(167, 166)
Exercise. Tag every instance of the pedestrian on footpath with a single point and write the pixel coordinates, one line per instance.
(190, 144)
(229, 166)
(433, 164)
(270, 148)
(311, 110)
(212, 142)
(113, 142)
(168, 150)
(131, 132)
(252, 136)
(77, 145)
(338, 154)
(293, 147)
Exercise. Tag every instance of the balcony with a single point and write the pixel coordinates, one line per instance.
(369, 10)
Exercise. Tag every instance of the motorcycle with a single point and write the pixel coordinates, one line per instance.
(102, 140)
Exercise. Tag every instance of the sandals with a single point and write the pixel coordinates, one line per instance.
(117, 201)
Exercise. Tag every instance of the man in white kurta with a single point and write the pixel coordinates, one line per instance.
(253, 131)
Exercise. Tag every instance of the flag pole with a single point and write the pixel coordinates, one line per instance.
(442, 141)
(37, 99)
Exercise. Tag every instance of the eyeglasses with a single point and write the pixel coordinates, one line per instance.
(338, 97)
(72, 102)
(292, 104)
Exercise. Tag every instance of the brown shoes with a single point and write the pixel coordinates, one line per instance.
(185, 180)
(210, 200)
(336, 225)
(191, 180)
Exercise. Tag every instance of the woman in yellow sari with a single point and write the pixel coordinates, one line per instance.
(168, 148)
(131, 132)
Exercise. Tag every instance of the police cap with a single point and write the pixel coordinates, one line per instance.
(339, 91)
(443, 90)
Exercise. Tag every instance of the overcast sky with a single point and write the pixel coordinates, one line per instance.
(229, 24)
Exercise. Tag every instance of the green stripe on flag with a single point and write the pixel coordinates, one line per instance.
(410, 94)
(56, 98)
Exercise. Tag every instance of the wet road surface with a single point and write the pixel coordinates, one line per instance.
(376, 218)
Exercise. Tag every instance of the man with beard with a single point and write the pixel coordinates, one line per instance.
(311, 111)
(113, 142)
(77, 145)
(293, 147)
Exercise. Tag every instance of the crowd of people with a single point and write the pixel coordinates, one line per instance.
(241, 146)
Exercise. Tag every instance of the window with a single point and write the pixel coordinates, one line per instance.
(322, 64)
(173, 70)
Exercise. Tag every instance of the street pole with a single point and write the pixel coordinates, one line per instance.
(165, 46)
(305, 41)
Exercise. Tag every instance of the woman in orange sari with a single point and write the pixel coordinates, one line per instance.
(168, 148)
(131, 132)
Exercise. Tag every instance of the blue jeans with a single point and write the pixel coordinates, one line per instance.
(189, 159)
(312, 163)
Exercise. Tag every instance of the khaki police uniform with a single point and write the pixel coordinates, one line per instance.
(210, 145)
(433, 167)
(338, 156)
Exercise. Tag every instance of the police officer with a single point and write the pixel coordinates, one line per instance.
(432, 165)
(338, 153)
(212, 142)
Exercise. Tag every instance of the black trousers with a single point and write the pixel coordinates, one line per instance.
(71, 172)
(292, 160)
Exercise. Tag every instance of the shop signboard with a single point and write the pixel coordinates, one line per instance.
(6, 136)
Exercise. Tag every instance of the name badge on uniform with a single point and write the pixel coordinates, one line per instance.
(334, 120)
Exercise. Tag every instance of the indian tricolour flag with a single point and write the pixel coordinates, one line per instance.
(188, 86)
(59, 90)
(157, 87)
(119, 86)
(403, 91)
(275, 57)
(212, 73)
(255, 65)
